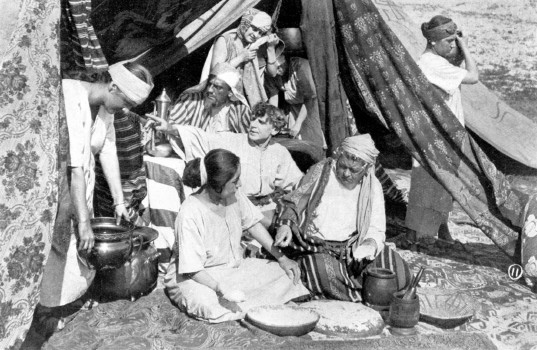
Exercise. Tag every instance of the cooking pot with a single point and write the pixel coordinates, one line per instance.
(137, 276)
(113, 243)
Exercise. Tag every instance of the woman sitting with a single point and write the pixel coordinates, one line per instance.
(208, 277)
(251, 49)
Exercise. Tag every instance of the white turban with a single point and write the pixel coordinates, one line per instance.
(231, 76)
(362, 146)
(134, 88)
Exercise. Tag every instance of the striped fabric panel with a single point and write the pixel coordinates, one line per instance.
(84, 42)
(132, 172)
(389, 188)
(165, 193)
(189, 110)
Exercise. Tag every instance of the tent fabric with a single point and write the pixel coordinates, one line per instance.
(33, 134)
(509, 131)
(422, 121)
(318, 33)
(198, 32)
(80, 45)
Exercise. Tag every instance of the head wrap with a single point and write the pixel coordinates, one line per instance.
(134, 88)
(203, 172)
(258, 18)
(440, 32)
(231, 76)
(362, 146)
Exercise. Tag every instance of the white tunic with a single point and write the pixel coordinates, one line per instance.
(211, 242)
(335, 216)
(447, 77)
(262, 169)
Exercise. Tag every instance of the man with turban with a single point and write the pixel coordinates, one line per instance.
(335, 221)
(214, 105)
(429, 203)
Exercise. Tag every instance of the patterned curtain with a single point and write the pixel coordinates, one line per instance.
(388, 80)
(31, 136)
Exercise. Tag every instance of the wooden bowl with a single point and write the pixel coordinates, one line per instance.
(283, 320)
(445, 309)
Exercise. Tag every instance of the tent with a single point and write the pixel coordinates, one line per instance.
(352, 40)
(377, 71)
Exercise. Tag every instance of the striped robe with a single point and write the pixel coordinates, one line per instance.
(325, 269)
(131, 167)
(190, 110)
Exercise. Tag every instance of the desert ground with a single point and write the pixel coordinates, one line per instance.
(502, 35)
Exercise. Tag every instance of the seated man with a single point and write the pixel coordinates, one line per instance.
(334, 223)
(214, 105)
(266, 166)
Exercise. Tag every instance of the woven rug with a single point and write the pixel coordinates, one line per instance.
(152, 322)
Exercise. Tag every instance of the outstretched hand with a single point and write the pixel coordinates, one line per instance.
(157, 123)
(283, 236)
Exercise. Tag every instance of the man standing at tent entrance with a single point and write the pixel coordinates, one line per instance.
(334, 223)
(429, 203)
(214, 105)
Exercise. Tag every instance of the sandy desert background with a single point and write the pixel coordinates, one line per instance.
(502, 35)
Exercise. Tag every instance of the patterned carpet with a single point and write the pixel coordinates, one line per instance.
(505, 311)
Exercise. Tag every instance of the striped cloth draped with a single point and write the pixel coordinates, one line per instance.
(189, 110)
(79, 41)
(328, 275)
(165, 193)
(132, 171)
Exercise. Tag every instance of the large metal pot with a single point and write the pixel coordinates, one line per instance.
(137, 276)
(113, 243)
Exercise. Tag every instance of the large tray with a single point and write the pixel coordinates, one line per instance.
(445, 309)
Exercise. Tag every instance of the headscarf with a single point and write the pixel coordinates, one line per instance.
(134, 88)
(439, 32)
(258, 18)
(231, 76)
(203, 172)
(362, 146)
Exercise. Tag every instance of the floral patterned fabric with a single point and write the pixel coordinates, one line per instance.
(384, 76)
(30, 135)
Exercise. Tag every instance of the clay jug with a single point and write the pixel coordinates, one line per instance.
(379, 286)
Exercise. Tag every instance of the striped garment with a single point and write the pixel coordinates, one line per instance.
(327, 275)
(79, 41)
(131, 167)
(189, 110)
(326, 272)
